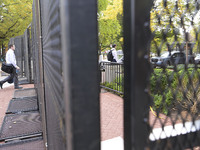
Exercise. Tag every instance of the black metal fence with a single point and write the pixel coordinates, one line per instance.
(161, 105)
(112, 76)
(174, 91)
(62, 71)
(23, 52)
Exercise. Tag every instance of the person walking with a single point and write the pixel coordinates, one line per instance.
(114, 53)
(11, 59)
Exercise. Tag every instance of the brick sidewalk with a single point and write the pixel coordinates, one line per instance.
(111, 116)
(111, 111)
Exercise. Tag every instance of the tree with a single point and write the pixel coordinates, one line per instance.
(110, 15)
(173, 22)
(15, 16)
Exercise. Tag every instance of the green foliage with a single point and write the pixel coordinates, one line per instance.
(159, 79)
(16, 15)
(110, 23)
(116, 84)
(160, 92)
(188, 94)
(168, 28)
(102, 5)
(109, 32)
(163, 102)
(175, 90)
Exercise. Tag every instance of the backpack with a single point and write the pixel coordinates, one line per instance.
(110, 56)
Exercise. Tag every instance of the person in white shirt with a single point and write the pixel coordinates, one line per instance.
(11, 59)
(114, 53)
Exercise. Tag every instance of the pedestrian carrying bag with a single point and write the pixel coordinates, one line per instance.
(8, 68)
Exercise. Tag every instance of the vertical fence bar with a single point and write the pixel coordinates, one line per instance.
(30, 56)
(81, 73)
(18, 41)
(120, 74)
(136, 20)
(39, 65)
(26, 56)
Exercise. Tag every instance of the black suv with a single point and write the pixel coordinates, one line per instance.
(167, 59)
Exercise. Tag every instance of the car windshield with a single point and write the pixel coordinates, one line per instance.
(165, 54)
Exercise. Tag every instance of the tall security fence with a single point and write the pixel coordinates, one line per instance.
(62, 71)
(23, 52)
(160, 83)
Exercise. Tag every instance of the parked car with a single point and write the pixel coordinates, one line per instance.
(167, 59)
(121, 60)
(120, 56)
(197, 59)
(120, 53)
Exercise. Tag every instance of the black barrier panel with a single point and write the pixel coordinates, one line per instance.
(53, 80)
(136, 68)
(35, 49)
(30, 55)
(26, 55)
(19, 52)
(22, 105)
(81, 74)
(19, 125)
(23, 57)
(38, 63)
(19, 48)
(31, 144)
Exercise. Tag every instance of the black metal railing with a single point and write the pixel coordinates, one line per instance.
(112, 76)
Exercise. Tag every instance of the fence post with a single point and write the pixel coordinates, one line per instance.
(81, 73)
(136, 21)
